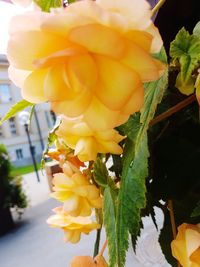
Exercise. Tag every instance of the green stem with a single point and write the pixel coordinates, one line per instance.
(97, 242)
(157, 7)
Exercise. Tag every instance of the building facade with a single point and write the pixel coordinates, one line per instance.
(12, 133)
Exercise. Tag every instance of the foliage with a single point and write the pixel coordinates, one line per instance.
(135, 167)
(46, 5)
(14, 196)
(15, 109)
(157, 160)
(186, 50)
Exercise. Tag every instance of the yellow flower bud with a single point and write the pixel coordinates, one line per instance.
(72, 226)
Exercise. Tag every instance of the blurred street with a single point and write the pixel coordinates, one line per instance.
(33, 243)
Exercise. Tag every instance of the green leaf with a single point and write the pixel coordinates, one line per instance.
(186, 49)
(185, 87)
(31, 115)
(15, 109)
(52, 137)
(196, 211)
(46, 5)
(135, 166)
(100, 173)
(196, 30)
(109, 215)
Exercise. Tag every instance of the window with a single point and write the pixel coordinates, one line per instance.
(19, 153)
(12, 125)
(5, 96)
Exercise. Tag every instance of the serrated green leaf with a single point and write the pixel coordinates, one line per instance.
(135, 166)
(196, 30)
(15, 109)
(196, 211)
(186, 49)
(46, 5)
(109, 215)
(100, 173)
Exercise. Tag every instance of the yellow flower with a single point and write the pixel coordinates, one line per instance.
(87, 261)
(186, 246)
(89, 59)
(87, 143)
(76, 191)
(72, 226)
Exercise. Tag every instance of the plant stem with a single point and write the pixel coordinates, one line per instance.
(96, 247)
(189, 100)
(172, 220)
(157, 7)
(103, 248)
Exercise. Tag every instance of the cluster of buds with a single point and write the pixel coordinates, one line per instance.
(79, 196)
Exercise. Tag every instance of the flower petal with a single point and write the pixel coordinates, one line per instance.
(140, 61)
(33, 87)
(99, 117)
(98, 39)
(23, 51)
(117, 83)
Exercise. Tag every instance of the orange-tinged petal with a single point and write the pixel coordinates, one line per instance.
(195, 256)
(61, 23)
(59, 56)
(56, 85)
(82, 72)
(86, 149)
(62, 180)
(98, 39)
(111, 147)
(140, 61)
(99, 117)
(23, 51)
(140, 38)
(82, 261)
(178, 246)
(135, 102)
(117, 83)
(75, 107)
(192, 238)
(33, 87)
(61, 195)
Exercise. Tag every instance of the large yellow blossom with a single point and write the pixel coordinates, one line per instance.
(89, 59)
(186, 246)
(76, 192)
(72, 226)
(87, 143)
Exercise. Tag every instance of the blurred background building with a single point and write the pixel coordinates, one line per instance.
(12, 133)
